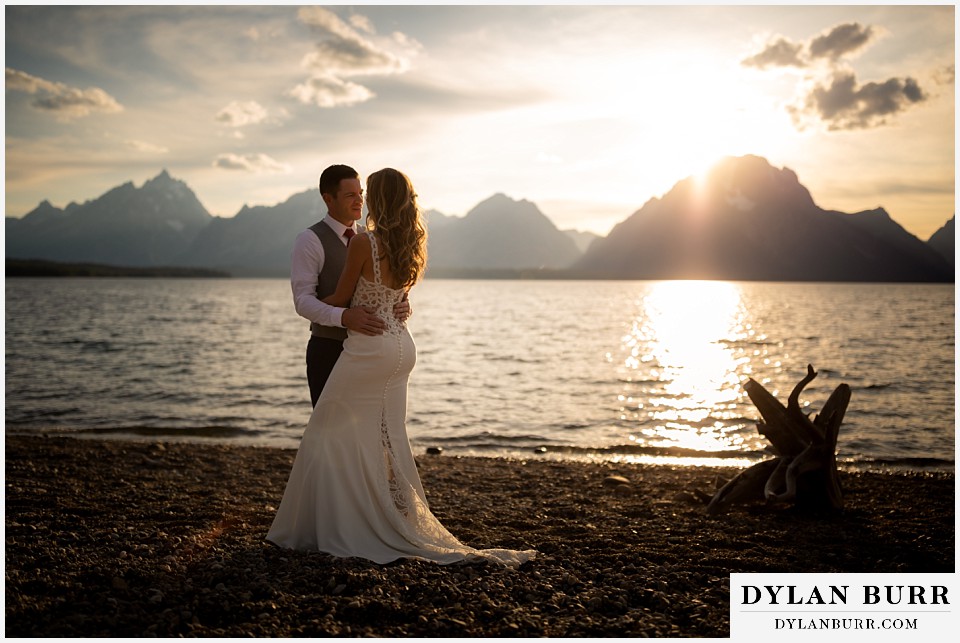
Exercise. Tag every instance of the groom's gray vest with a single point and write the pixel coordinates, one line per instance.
(334, 257)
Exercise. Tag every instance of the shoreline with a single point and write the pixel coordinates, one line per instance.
(728, 463)
(138, 538)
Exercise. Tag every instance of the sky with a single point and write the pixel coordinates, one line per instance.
(586, 111)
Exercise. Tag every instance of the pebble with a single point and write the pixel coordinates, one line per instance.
(615, 481)
(607, 568)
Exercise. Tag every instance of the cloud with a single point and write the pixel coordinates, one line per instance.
(24, 82)
(843, 105)
(240, 114)
(254, 163)
(946, 75)
(341, 52)
(832, 45)
(329, 91)
(362, 23)
(831, 93)
(64, 101)
(841, 40)
(779, 53)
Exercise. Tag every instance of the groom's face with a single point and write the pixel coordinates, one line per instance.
(347, 205)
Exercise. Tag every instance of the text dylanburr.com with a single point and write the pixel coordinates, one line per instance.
(843, 607)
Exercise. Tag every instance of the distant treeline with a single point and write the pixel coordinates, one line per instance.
(41, 268)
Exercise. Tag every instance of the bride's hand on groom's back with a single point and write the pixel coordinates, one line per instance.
(362, 320)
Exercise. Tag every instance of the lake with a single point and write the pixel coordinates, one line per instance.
(616, 370)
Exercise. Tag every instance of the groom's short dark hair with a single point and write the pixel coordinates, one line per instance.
(331, 177)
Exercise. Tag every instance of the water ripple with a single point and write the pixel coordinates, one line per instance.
(639, 369)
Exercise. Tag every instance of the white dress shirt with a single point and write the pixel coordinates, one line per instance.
(306, 262)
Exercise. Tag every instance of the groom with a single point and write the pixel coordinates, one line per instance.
(319, 254)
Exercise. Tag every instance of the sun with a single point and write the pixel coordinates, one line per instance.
(702, 113)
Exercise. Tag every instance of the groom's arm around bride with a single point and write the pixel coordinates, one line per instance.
(318, 257)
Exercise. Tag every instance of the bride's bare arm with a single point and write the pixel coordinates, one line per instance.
(358, 253)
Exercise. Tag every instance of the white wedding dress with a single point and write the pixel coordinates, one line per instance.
(354, 489)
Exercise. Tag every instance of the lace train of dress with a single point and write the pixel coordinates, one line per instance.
(354, 489)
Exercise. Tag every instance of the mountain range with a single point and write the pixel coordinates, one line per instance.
(747, 221)
(750, 221)
(498, 234)
(127, 226)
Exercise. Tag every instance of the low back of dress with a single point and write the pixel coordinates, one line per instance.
(374, 294)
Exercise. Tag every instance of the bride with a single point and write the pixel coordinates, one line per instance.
(354, 489)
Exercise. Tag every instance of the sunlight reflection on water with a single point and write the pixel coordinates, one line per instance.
(624, 370)
(682, 346)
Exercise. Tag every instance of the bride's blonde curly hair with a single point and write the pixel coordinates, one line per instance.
(394, 215)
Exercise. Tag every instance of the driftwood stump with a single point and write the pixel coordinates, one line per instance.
(804, 471)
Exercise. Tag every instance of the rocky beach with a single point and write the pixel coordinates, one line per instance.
(138, 538)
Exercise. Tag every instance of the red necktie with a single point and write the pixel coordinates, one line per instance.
(348, 233)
